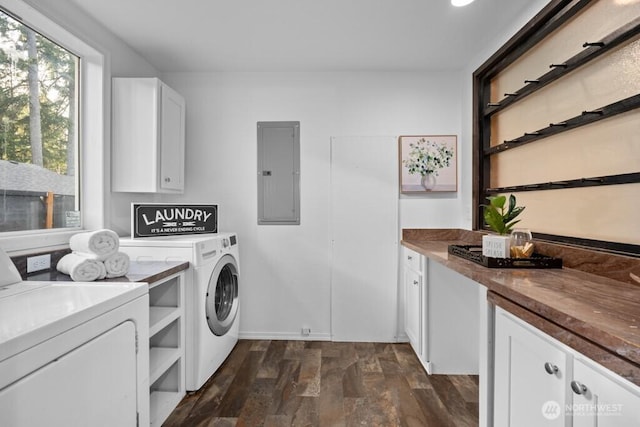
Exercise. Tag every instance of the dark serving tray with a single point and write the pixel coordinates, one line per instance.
(474, 253)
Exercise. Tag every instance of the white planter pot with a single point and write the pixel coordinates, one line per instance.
(496, 246)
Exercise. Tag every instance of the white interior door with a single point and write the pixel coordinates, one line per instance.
(364, 238)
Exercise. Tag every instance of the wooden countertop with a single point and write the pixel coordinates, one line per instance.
(148, 271)
(602, 312)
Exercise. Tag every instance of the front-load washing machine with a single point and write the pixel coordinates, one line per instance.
(212, 306)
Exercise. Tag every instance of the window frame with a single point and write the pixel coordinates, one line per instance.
(91, 127)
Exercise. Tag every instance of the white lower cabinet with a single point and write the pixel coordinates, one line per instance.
(539, 381)
(166, 346)
(453, 321)
(530, 371)
(413, 295)
(601, 398)
(441, 312)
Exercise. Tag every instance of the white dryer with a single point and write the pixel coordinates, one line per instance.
(69, 354)
(212, 304)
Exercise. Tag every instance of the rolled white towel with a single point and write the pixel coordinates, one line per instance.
(81, 268)
(117, 265)
(98, 244)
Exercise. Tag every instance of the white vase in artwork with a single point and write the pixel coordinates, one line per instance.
(428, 181)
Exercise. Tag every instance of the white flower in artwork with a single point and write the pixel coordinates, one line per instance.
(427, 157)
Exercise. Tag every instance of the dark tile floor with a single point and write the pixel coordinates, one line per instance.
(317, 383)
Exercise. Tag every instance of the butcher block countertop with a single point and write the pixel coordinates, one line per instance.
(148, 271)
(596, 315)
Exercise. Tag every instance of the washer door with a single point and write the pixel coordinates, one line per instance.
(221, 303)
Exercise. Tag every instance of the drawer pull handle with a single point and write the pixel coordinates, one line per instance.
(578, 388)
(550, 368)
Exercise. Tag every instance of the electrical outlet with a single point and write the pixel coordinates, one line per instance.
(306, 331)
(37, 263)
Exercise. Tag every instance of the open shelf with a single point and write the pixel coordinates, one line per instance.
(577, 104)
(161, 359)
(591, 52)
(166, 347)
(162, 404)
(166, 392)
(160, 317)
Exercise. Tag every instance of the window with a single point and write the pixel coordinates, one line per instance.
(38, 131)
(46, 192)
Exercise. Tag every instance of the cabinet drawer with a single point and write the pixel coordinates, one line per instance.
(413, 260)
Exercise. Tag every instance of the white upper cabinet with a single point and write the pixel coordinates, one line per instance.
(148, 137)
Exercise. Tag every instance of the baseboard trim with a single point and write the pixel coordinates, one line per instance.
(283, 336)
(247, 335)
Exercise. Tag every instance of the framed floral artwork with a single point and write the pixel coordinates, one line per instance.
(428, 163)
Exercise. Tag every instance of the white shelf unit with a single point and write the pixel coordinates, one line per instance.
(166, 346)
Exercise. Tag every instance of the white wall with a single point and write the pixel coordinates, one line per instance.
(285, 269)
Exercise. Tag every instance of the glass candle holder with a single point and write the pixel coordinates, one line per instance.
(521, 244)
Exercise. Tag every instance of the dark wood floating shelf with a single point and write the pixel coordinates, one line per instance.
(556, 14)
(474, 254)
(587, 117)
(626, 178)
(591, 51)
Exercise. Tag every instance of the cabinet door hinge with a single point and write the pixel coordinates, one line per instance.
(136, 342)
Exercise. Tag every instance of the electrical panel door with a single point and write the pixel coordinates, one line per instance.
(279, 173)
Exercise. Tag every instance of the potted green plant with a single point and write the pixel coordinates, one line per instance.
(500, 218)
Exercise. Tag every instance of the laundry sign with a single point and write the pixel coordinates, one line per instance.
(154, 219)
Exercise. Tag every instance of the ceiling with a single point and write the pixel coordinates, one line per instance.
(305, 35)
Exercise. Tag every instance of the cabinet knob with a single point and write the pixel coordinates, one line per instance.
(578, 388)
(167, 179)
(409, 257)
(415, 282)
(550, 368)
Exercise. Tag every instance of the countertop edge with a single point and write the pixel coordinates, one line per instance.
(614, 346)
(171, 269)
(139, 271)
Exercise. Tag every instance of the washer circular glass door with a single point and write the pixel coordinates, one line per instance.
(221, 304)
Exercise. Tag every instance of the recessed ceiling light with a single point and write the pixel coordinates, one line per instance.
(459, 3)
